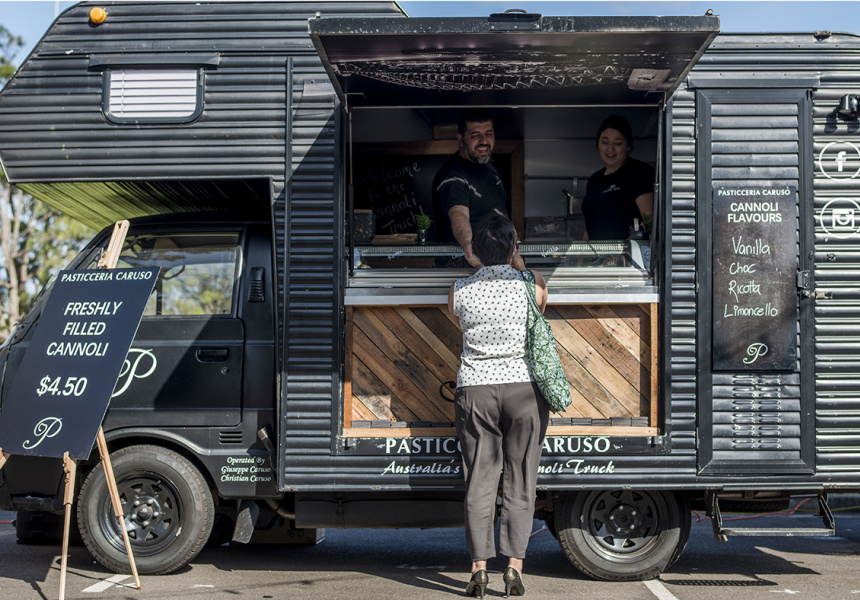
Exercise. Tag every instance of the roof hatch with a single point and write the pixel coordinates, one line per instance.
(517, 59)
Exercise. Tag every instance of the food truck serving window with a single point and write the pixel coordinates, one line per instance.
(548, 82)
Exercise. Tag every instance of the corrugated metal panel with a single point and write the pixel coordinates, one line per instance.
(52, 126)
(311, 289)
(833, 59)
(312, 333)
(837, 274)
(681, 282)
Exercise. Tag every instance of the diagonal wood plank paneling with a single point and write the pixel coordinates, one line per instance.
(631, 338)
(400, 387)
(449, 354)
(568, 336)
(399, 356)
(374, 399)
(413, 362)
(429, 356)
(620, 345)
(408, 372)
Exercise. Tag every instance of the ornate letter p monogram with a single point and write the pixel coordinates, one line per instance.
(754, 351)
(46, 428)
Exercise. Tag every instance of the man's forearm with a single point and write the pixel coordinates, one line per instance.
(460, 226)
(462, 230)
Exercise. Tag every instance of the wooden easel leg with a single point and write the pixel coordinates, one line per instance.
(71, 468)
(111, 255)
(114, 497)
(3, 458)
(108, 261)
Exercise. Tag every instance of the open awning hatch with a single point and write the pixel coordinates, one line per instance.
(509, 59)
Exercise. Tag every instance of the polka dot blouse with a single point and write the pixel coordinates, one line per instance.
(492, 307)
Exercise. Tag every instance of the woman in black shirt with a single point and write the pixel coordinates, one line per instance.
(621, 191)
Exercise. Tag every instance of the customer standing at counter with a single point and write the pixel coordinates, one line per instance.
(501, 415)
(467, 189)
(621, 191)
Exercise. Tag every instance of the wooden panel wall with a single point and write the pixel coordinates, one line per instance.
(606, 353)
(398, 358)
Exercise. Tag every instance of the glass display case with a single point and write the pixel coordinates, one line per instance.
(632, 254)
(576, 272)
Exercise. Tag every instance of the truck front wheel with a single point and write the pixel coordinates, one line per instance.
(623, 535)
(167, 506)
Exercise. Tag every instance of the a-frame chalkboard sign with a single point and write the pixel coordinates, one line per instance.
(62, 389)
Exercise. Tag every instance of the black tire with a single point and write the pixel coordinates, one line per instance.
(222, 531)
(623, 535)
(549, 520)
(167, 506)
(46, 528)
(39, 527)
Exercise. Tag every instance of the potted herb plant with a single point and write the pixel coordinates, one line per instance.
(422, 222)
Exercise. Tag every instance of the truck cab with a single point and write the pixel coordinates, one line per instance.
(198, 383)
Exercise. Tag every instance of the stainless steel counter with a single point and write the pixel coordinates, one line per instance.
(594, 280)
(564, 288)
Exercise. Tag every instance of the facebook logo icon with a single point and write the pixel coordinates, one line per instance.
(839, 160)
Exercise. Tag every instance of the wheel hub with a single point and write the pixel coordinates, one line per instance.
(144, 511)
(622, 524)
(151, 511)
(623, 519)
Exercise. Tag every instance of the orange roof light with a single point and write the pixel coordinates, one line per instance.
(98, 15)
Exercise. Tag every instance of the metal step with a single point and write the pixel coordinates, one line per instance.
(721, 533)
(774, 532)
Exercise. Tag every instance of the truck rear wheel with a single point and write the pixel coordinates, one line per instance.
(167, 506)
(623, 535)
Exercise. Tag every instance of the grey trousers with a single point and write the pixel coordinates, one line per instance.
(501, 428)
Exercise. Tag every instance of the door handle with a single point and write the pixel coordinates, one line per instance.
(210, 355)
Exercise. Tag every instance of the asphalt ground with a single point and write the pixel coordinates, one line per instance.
(419, 564)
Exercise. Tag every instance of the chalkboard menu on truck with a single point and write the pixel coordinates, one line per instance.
(755, 278)
(62, 388)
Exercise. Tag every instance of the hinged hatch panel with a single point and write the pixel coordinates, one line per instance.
(494, 61)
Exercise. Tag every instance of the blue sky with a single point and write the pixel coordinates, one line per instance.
(31, 18)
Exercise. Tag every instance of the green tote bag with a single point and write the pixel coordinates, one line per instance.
(543, 355)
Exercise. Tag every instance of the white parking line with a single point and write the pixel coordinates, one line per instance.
(109, 582)
(659, 590)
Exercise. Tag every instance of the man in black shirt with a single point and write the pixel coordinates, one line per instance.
(467, 188)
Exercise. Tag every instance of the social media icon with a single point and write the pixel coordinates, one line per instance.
(839, 159)
(843, 218)
(839, 218)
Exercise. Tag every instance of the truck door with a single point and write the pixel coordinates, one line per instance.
(185, 365)
(754, 224)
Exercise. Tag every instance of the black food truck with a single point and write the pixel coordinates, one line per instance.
(290, 372)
